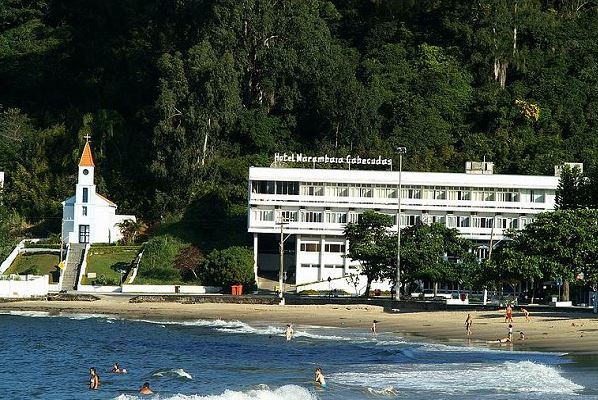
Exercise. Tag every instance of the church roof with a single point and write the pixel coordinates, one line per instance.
(86, 157)
(110, 202)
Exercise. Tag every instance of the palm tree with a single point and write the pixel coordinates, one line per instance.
(130, 229)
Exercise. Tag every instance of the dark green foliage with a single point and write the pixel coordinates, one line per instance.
(558, 244)
(227, 267)
(372, 245)
(436, 253)
(181, 97)
(158, 261)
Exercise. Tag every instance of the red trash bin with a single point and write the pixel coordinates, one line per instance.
(233, 290)
(239, 290)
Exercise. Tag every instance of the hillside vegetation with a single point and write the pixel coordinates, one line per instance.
(180, 98)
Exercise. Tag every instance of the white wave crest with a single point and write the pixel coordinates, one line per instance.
(238, 327)
(174, 372)
(288, 392)
(519, 377)
(387, 391)
(33, 314)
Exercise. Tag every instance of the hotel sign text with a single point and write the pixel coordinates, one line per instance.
(325, 159)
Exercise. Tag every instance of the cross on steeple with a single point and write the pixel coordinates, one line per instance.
(87, 137)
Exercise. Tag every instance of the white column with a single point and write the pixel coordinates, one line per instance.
(298, 269)
(255, 252)
(321, 258)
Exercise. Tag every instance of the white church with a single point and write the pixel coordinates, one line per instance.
(88, 217)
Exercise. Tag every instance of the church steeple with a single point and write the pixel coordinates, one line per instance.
(86, 157)
(86, 165)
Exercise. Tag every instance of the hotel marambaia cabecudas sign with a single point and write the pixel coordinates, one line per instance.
(325, 159)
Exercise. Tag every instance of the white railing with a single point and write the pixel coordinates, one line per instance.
(83, 266)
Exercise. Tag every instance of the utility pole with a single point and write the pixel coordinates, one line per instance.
(401, 151)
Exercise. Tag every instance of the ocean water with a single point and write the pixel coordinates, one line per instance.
(46, 356)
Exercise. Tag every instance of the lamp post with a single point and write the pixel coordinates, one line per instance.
(401, 151)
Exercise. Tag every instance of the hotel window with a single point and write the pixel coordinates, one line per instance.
(439, 193)
(514, 223)
(338, 190)
(462, 222)
(288, 188)
(489, 194)
(353, 217)
(481, 222)
(428, 193)
(263, 187)
(311, 216)
(436, 219)
(409, 220)
(310, 265)
(85, 195)
(336, 217)
(506, 195)
(477, 195)
(263, 215)
(459, 193)
(312, 189)
(451, 221)
(288, 216)
(334, 248)
(310, 247)
(537, 196)
(412, 192)
(84, 211)
(362, 191)
(386, 192)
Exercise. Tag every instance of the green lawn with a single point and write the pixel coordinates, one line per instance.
(106, 261)
(36, 264)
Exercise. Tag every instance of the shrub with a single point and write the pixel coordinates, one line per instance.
(159, 258)
(230, 266)
(102, 280)
(188, 262)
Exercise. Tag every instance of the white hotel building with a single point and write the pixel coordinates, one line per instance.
(317, 203)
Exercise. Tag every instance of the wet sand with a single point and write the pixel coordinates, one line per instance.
(557, 332)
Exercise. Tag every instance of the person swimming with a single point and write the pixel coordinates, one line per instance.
(94, 379)
(116, 369)
(289, 332)
(319, 378)
(145, 389)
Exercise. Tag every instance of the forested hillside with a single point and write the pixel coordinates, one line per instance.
(181, 96)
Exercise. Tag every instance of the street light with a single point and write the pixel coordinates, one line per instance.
(401, 151)
(281, 280)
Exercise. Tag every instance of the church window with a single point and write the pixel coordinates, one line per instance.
(85, 195)
(84, 211)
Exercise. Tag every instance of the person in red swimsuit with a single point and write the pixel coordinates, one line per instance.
(509, 314)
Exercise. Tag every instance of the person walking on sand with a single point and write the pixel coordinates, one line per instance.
(94, 379)
(509, 313)
(319, 378)
(525, 314)
(289, 332)
(468, 322)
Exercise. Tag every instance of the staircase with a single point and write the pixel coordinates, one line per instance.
(71, 272)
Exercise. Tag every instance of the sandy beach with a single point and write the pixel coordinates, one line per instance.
(562, 332)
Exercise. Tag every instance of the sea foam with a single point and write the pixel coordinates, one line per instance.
(288, 392)
(522, 377)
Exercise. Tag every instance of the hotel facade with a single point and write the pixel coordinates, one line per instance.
(315, 204)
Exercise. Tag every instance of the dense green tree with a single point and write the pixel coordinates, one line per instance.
(231, 266)
(558, 244)
(371, 244)
(435, 253)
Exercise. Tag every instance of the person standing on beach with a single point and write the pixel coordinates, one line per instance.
(94, 379)
(289, 332)
(373, 328)
(525, 314)
(468, 323)
(509, 313)
(510, 332)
